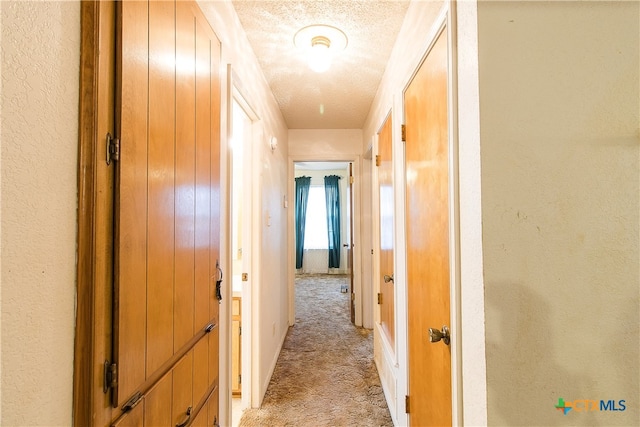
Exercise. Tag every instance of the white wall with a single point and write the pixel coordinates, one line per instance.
(269, 311)
(325, 144)
(473, 372)
(560, 111)
(40, 68)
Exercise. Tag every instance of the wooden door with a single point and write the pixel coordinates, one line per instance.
(427, 221)
(352, 303)
(386, 298)
(167, 214)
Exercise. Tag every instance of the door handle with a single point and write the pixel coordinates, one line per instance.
(436, 335)
(187, 418)
(219, 283)
(388, 279)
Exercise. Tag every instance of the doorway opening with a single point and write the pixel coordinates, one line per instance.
(323, 218)
(244, 126)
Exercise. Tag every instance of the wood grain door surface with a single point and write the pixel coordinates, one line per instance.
(385, 193)
(167, 216)
(427, 221)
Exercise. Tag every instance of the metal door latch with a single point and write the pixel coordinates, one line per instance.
(436, 335)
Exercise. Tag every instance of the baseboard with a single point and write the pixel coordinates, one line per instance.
(272, 367)
(388, 376)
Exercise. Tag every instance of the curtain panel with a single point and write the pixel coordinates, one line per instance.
(332, 196)
(302, 197)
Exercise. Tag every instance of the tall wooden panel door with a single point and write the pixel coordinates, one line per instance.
(386, 298)
(167, 215)
(427, 221)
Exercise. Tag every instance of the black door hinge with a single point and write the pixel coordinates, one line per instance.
(110, 376)
(113, 149)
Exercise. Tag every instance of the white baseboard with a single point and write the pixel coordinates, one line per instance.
(272, 367)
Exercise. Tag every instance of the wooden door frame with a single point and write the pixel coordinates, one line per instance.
(446, 21)
(95, 213)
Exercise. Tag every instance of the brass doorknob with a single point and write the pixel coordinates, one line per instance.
(388, 278)
(436, 335)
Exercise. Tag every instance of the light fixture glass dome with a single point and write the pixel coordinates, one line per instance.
(320, 54)
(320, 42)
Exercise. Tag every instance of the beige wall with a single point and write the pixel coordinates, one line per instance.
(559, 103)
(325, 144)
(40, 60)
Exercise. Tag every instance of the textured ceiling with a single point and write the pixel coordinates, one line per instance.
(339, 98)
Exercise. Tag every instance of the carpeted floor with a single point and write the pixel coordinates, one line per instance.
(325, 375)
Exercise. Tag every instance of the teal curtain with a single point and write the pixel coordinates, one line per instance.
(332, 197)
(302, 197)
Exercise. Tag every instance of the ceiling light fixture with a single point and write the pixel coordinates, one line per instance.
(320, 43)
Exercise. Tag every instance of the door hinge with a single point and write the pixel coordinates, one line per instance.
(110, 376)
(377, 159)
(113, 149)
(407, 404)
(379, 298)
(239, 379)
(353, 296)
(239, 330)
(403, 130)
(351, 179)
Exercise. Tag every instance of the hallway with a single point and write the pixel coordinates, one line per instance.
(325, 374)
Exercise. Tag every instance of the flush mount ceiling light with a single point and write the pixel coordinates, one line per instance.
(320, 42)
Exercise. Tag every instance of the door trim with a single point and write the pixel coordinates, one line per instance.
(250, 308)
(94, 269)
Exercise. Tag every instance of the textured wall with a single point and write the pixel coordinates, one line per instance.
(559, 91)
(40, 59)
(332, 143)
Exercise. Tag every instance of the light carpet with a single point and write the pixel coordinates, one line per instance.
(325, 375)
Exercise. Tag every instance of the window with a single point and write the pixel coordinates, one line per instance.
(315, 229)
